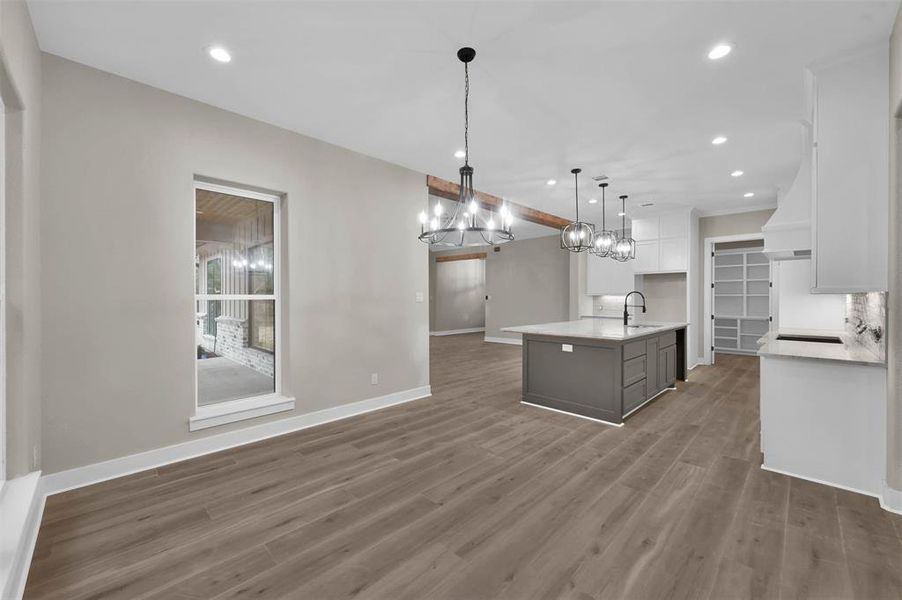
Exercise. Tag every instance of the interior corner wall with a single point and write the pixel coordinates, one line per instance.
(20, 88)
(117, 235)
(894, 307)
(527, 281)
(717, 226)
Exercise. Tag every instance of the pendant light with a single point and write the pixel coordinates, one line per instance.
(605, 239)
(625, 248)
(466, 224)
(577, 236)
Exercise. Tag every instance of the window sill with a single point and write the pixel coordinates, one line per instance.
(238, 410)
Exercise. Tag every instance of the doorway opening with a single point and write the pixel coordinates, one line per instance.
(738, 299)
(456, 292)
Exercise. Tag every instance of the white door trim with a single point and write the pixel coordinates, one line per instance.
(709, 248)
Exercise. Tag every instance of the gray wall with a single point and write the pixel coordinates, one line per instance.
(528, 281)
(735, 224)
(20, 89)
(456, 292)
(117, 235)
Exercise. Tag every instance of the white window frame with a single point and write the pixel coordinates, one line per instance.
(3, 435)
(255, 406)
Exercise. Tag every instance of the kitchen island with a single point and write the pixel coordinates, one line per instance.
(599, 368)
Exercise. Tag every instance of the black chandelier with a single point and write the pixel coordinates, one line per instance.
(577, 236)
(467, 223)
(625, 248)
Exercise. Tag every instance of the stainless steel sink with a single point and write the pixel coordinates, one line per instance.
(641, 326)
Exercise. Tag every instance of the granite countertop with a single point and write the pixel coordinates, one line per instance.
(848, 352)
(596, 329)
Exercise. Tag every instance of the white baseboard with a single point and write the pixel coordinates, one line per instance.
(21, 507)
(501, 340)
(891, 499)
(823, 482)
(458, 331)
(55, 483)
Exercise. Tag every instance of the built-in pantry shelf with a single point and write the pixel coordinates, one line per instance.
(741, 297)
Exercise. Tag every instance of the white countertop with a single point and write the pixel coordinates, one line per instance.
(847, 352)
(596, 329)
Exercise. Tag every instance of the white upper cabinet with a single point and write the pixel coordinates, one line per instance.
(662, 243)
(607, 277)
(851, 174)
(647, 256)
(645, 229)
(673, 225)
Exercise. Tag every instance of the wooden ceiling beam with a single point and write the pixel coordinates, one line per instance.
(451, 191)
(467, 256)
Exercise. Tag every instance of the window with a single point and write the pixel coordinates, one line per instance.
(236, 304)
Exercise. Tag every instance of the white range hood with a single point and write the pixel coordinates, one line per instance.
(787, 235)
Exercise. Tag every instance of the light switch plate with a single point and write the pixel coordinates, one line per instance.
(419, 296)
(566, 347)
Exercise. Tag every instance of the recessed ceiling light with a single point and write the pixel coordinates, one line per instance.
(719, 51)
(737, 173)
(460, 154)
(748, 195)
(219, 54)
(593, 200)
(551, 181)
(719, 140)
(621, 214)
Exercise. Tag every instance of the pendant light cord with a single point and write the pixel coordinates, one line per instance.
(466, 114)
(623, 216)
(604, 226)
(576, 185)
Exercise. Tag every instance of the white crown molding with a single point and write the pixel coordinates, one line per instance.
(719, 212)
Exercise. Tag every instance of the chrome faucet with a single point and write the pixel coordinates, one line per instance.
(626, 307)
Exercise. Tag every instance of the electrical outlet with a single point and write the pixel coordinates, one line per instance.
(374, 378)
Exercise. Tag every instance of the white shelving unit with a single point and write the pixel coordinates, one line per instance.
(741, 299)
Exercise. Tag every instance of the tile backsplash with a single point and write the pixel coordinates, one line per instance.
(867, 310)
(607, 306)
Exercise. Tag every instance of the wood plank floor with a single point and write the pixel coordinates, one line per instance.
(471, 495)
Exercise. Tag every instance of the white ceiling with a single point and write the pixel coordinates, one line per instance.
(621, 88)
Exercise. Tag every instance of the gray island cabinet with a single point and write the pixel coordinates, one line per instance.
(599, 368)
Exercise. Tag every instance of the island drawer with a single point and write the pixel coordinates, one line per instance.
(633, 396)
(667, 339)
(634, 370)
(634, 349)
